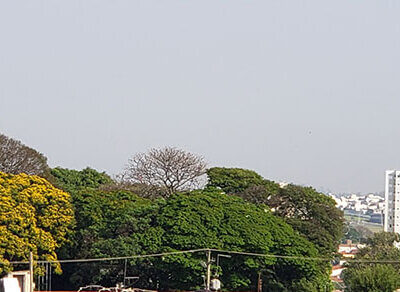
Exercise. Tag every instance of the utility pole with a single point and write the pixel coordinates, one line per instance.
(259, 283)
(31, 272)
(208, 270)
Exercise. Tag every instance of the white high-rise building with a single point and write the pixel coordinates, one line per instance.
(392, 199)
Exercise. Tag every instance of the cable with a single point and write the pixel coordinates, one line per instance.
(203, 250)
(115, 258)
(272, 256)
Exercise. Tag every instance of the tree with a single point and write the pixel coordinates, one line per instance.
(376, 278)
(312, 214)
(242, 182)
(111, 224)
(71, 180)
(233, 180)
(170, 168)
(17, 158)
(34, 217)
(309, 212)
(202, 219)
(370, 276)
(382, 240)
(356, 233)
(381, 247)
(142, 190)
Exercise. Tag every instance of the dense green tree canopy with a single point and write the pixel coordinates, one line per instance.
(108, 215)
(72, 180)
(373, 277)
(233, 180)
(381, 247)
(120, 223)
(109, 224)
(311, 213)
(215, 220)
(238, 180)
(238, 210)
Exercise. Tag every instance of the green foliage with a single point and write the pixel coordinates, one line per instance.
(237, 180)
(107, 214)
(76, 183)
(109, 224)
(122, 224)
(356, 233)
(380, 247)
(214, 220)
(34, 217)
(375, 278)
(118, 223)
(72, 180)
(312, 214)
(232, 180)
(383, 240)
(306, 285)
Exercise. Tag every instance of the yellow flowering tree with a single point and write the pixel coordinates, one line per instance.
(34, 216)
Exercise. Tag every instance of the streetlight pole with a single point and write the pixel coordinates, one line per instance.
(208, 270)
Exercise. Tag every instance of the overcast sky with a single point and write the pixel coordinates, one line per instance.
(300, 91)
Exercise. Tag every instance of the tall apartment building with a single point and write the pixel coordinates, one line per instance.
(392, 199)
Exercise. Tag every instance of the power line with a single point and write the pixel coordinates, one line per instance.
(115, 258)
(204, 250)
(272, 255)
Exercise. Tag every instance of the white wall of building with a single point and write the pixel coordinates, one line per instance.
(392, 200)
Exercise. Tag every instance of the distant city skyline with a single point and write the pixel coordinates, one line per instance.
(300, 91)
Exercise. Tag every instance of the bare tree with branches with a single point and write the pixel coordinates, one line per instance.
(169, 168)
(17, 158)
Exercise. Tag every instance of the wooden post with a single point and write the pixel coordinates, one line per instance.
(31, 272)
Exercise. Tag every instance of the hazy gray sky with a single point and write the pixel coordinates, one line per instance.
(300, 91)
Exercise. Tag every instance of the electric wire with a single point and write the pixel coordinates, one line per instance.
(205, 250)
(114, 258)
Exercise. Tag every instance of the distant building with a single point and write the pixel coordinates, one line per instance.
(392, 199)
(348, 251)
(336, 273)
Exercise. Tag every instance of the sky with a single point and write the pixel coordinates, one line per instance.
(306, 92)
